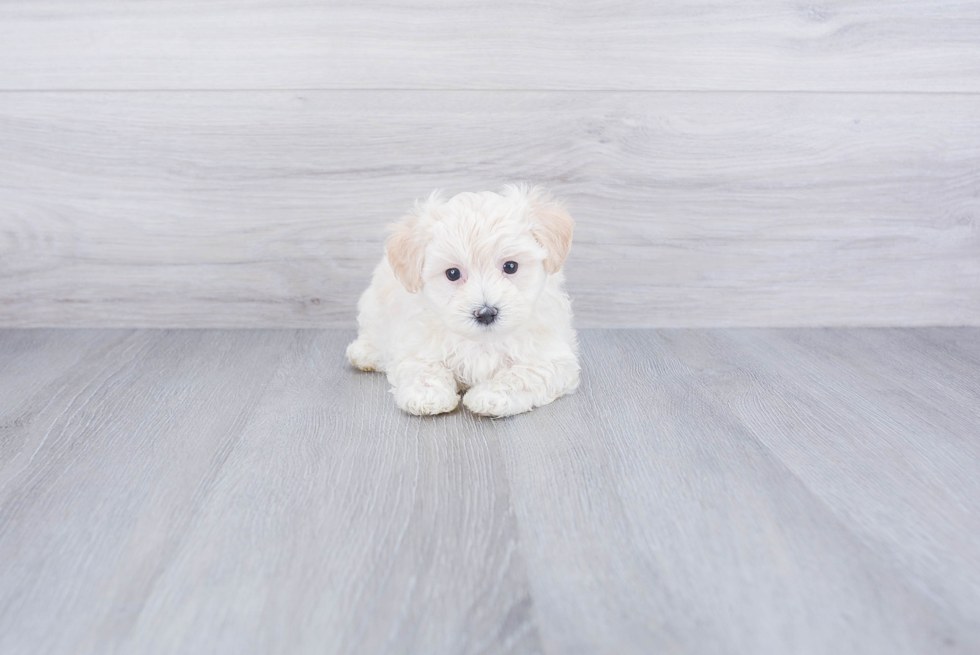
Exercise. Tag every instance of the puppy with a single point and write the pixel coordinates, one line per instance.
(470, 298)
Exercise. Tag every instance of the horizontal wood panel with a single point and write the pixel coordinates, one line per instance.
(243, 209)
(859, 45)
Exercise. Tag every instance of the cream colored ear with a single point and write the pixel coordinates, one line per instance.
(405, 250)
(552, 227)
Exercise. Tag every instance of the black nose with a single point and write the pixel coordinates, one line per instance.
(485, 315)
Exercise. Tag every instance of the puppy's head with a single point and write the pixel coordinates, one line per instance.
(480, 260)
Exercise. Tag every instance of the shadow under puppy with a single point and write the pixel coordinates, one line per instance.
(470, 297)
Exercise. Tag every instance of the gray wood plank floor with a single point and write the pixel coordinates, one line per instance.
(707, 491)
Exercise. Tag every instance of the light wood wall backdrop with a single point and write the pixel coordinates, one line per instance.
(184, 163)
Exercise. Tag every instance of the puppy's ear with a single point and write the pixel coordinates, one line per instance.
(552, 226)
(405, 250)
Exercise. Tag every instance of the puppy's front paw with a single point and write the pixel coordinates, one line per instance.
(423, 399)
(363, 355)
(485, 400)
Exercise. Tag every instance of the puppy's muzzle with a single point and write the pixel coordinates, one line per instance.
(485, 315)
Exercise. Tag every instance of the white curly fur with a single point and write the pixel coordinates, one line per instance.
(419, 327)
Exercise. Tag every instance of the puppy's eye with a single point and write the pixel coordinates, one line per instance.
(510, 268)
(452, 274)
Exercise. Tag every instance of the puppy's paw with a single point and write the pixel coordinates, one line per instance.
(363, 355)
(424, 399)
(485, 400)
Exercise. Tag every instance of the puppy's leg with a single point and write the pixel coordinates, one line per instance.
(364, 355)
(424, 387)
(523, 387)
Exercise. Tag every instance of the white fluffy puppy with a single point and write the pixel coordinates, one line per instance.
(469, 297)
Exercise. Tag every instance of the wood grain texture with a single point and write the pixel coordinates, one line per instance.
(202, 492)
(383, 533)
(868, 420)
(805, 491)
(655, 520)
(858, 45)
(30, 360)
(694, 209)
(112, 458)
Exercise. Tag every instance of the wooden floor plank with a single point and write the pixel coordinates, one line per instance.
(111, 471)
(887, 439)
(31, 359)
(805, 491)
(352, 528)
(955, 346)
(654, 521)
